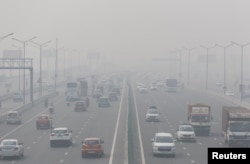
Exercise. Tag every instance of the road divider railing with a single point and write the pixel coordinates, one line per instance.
(231, 99)
(27, 106)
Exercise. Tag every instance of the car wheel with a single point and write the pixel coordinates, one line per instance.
(83, 155)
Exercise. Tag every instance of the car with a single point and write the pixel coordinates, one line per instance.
(97, 93)
(44, 121)
(17, 96)
(13, 117)
(153, 87)
(80, 106)
(92, 146)
(163, 144)
(116, 90)
(60, 136)
(143, 89)
(11, 148)
(229, 93)
(103, 102)
(160, 84)
(153, 114)
(113, 96)
(186, 132)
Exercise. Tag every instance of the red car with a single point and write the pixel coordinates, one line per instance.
(92, 146)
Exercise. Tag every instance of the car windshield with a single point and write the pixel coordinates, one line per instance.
(12, 114)
(79, 103)
(186, 128)
(164, 139)
(60, 131)
(43, 117)
(152, 112)
(91, 142)
(7, 143)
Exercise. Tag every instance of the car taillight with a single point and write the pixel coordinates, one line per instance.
(66, 134)
(52, 134)
(16, 148)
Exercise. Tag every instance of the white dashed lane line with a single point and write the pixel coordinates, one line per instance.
(61, 161)
(192, 161)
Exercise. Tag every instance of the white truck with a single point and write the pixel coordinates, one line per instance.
(200, 117)
(60, 136)
(236, 125)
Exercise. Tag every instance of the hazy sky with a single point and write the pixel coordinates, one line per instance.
(127, 29)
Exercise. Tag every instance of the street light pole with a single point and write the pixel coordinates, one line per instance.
(241, 72)
(5, 36)
(40, 71)
(224, 49)
(207, 49)
(189, 51)
(24, 46)
(19, 74)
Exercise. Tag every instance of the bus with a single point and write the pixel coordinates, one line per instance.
(72, 91)
(171, 85)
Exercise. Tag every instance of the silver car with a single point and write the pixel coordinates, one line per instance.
(11, 148)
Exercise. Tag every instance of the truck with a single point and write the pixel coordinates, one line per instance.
(236, 125)
(200, 117)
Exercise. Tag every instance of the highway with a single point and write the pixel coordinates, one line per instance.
(111, 124)
(106, 123)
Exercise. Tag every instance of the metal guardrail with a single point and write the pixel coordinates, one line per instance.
(27, 106)
(233, 100)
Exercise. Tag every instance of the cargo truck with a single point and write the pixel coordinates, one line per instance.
(200, 117)
(236, 125)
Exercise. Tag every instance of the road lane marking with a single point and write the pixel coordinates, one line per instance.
(188, 154)
(116, 129)
(192, 161)
(61, 161)
(66, 153)
(139, 128)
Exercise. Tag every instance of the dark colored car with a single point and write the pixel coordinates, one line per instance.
(113, 96)
(103, 102)
(117, 90)
(80, 106)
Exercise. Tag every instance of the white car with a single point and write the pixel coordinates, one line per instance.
(11, 148)
(153, 87)
(186, 132)
(163, 144)
(17, 96)
(153, 115)
(229, 93)
(143, 90)
(61, 136)
(13, 117)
